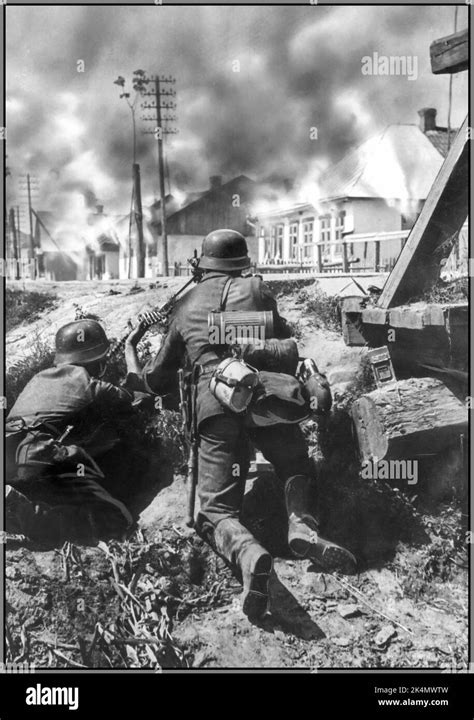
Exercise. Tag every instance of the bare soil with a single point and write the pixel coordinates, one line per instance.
(163, 599)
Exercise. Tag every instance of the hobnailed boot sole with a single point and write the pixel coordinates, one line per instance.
(255, 597)
(328, 555)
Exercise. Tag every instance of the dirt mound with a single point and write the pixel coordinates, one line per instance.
(163, 599)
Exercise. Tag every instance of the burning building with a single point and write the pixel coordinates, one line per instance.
(69, 250)
(369, 200)
(224, 204)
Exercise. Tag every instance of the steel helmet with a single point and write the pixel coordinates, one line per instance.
(81, 341)
(224, 250)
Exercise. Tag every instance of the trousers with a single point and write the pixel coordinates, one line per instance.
(224, 458)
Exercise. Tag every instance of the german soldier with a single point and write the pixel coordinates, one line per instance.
(223, 455)
(57, 489)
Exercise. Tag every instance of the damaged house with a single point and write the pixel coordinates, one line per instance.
(368, 202)
(77, 251)
(224, 204)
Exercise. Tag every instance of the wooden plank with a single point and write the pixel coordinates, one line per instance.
(406, 317)
(412, 347)
(410, 418)
(370, 433)
(351, 329)
(352, 303)
(417, 316)
(457, 326)
(374, 316)
(433, 234)
(434, 315)
(450, 54)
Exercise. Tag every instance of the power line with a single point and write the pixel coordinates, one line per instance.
(163, 95)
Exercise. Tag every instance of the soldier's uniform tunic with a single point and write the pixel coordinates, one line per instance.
(223, 435)
(52, 400)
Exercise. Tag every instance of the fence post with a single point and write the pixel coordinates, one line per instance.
(320, 258)
(377, 255)
(345, 262)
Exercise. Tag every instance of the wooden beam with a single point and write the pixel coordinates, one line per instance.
(450, 54)
(433, 234)
(408, 419)
(374, 316)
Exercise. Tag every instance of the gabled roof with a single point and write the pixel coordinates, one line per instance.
(439, 138)
(398, 163)
(215, 191)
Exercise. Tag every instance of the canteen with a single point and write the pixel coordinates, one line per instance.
(233, 383)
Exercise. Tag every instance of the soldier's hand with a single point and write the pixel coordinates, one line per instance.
(145, 321)
(137, 334)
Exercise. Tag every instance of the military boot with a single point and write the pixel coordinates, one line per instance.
(31, 519)
(49, 525)
(234, 542)
(303, 531)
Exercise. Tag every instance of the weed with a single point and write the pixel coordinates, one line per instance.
(21, 305)
(446, 292)
(41, 357)
(323, 308)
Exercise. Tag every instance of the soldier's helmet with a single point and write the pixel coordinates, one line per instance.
(81, 342)
(224, 250)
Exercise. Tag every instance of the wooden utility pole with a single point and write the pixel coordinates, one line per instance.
(18, 227)
(15, 243)
(160, 131)
(139, 221)
(32, 237)
(138, 87)
(30, 184)
(161, 173)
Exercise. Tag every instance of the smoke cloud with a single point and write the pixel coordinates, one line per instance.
(251, 84)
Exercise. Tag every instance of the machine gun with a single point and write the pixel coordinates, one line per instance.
(160, 314)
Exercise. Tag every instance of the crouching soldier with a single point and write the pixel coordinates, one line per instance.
(57, 432)
(223, 435)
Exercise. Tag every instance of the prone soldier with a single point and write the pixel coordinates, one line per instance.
(60, 433)
(223, 436)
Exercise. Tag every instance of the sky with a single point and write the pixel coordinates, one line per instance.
(299, 68)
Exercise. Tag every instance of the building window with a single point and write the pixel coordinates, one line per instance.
(279, 243)
(338, 232)
(325, 226)
(308, 240)
(276, 243)
(267, 244)
(273, 233)
(294, 254)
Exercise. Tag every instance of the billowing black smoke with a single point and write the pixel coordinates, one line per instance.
(266, 91)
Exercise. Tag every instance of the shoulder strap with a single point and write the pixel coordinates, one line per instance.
(225, 293)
